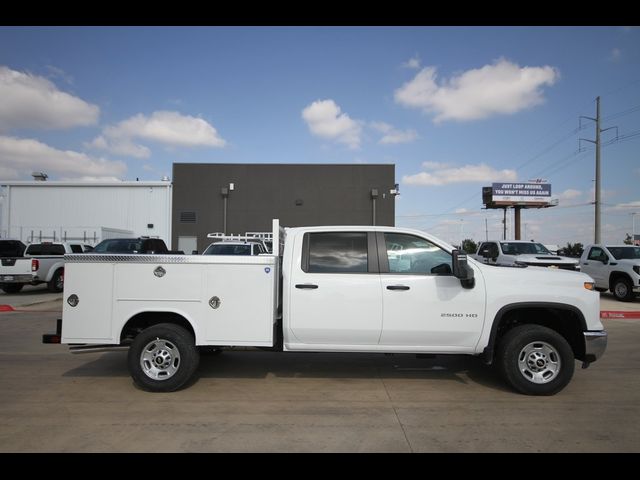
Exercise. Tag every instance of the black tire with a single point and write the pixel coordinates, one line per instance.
(11, 287)
(622, 289)
(163, 358)
(535, 360)
(56, 284)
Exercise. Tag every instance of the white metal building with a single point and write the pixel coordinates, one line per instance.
(34, 211)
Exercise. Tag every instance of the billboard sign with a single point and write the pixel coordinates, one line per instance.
(521, 192)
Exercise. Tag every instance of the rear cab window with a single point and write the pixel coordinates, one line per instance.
(336, 252)
(45, 249)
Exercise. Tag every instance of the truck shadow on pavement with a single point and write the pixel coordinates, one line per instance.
(259, 364)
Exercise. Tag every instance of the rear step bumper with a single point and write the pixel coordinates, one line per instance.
(54, 337)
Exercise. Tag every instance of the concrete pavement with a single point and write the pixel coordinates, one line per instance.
(256, 401)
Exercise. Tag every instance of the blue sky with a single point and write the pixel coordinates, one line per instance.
(454, 108)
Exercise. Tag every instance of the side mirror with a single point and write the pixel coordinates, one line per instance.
(462, 270)
(605, 260)
(194, 252)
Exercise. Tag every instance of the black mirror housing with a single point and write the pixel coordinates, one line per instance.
(462, 270)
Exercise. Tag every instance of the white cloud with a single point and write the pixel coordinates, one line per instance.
(442, 174)
(21, 156)
(326, 120)
(569, 194)
(615, 55)
(165, 127)
(634, 204)
(500, 88)
(413, 63)
(392, 135)
(31, 101)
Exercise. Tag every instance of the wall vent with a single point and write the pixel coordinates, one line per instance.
(187, 217)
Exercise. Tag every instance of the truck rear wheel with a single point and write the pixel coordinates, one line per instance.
(56, 284)
(536, 360)
(163, 358)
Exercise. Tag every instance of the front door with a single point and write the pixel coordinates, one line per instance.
(424, 305)
(594, 266)
(335, 292)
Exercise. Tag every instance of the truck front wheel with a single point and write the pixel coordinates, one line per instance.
(163, 358)
(622, 289)
(536, 360)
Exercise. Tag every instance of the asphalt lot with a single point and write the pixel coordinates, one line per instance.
(256, 401)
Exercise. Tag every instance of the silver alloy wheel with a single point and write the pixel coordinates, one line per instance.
(620, 289)
(539, 362)
(160, 359)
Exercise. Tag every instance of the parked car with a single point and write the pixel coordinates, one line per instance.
(520, 252)
(12, 248)
(134, 245)
(613, 267)
(235, 247)
(42, 263)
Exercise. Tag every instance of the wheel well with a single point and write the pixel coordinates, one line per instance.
(566, 321)
(143, 320)
(613, 276)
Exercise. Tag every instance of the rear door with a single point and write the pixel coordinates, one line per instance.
(335, 291)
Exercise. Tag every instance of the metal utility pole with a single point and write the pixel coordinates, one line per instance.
(597, 234)
(598, 203)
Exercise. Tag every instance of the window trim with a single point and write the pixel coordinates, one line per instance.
(372, 254)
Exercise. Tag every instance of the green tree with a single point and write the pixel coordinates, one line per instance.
(573, 249)
(469, 246)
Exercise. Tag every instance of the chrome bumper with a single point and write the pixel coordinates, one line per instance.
(595, 343)
(16, 278)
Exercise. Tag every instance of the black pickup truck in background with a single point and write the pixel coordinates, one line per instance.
(11, 248)
(143, 245)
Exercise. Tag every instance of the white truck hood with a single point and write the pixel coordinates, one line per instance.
(544, 259)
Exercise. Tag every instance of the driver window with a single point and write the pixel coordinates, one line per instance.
(597, 254)
(410, 254)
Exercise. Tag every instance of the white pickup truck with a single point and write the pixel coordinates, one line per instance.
(521, 252)
(42, 263)
(332, 289)
(613, 267)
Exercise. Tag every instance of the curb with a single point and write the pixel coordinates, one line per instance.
(617, 314)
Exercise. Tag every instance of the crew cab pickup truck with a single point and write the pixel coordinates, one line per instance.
(520, 252)
(613, 267)
(42, 263)
(332, 289)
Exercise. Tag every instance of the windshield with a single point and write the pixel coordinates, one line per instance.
(126, 245)
(524, 248)
(625, 253)
(228, 249)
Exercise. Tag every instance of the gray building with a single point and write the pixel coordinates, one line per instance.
(246, 197)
